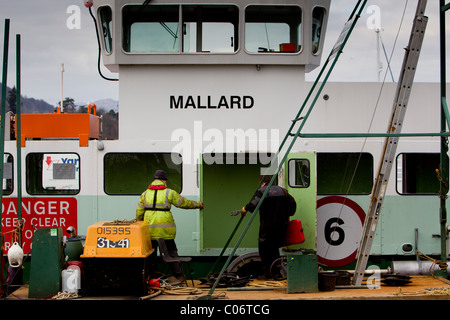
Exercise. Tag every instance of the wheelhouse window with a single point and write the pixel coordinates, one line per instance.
(344, 173)
(106, 23)
(210, 28)
(416, 173)
(52, 173)
(132, 173)
(154, 28)
(199, 28)
(299, 173)
(318, 18)
(273, 28)
(7, 174)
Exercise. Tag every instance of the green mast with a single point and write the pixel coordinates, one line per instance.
(2, 125)
(3, 103)
(18, 140)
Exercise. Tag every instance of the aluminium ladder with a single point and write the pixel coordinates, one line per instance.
(412, 53)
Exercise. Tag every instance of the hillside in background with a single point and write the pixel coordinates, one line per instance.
(32, 105)
(29, 105)
(108, 109)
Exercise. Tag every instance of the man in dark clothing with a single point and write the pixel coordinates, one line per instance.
(278, 205)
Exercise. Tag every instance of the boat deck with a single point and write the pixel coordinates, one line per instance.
(256, 300)
(420, 288)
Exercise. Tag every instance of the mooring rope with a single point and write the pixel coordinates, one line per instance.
(168, 289)
(65, 295)
(274, 284)
(443, 265)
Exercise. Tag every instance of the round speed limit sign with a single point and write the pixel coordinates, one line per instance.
(339, 227)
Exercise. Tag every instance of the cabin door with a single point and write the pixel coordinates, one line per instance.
(227, 183)
(300, 181)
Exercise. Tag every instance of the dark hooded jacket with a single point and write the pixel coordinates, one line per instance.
(274, 212)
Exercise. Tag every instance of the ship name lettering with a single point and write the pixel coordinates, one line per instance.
(199, 102)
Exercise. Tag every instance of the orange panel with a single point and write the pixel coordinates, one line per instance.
(82, 126)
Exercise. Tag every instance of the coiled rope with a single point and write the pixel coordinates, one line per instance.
(168, 289)
(65, 295)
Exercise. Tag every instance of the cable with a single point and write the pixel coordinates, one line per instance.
(387, 60)
(99, 48)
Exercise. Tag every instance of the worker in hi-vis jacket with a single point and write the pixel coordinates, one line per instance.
(154, 208)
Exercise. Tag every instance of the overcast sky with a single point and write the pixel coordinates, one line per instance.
(47, 42)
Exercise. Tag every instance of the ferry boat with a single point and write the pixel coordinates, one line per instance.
(208, 91)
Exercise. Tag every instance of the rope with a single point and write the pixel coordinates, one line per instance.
(426, 291)
(182, 291)
(274, 284)
(120, 222)
(65, 295)
(433, 291)
(16, 231)
(442, 265)
(152, 295)
(217, 296)
(168, 289)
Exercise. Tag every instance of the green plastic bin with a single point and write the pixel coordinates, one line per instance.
(47, 262)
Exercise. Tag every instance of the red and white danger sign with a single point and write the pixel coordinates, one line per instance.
(340, 223)
(37, 213)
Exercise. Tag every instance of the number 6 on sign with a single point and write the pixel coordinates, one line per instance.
(339, 227)
(331, 228)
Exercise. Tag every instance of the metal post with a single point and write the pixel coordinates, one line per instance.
(3, 106)
(2, 133)
(443, 171)
(18, 139)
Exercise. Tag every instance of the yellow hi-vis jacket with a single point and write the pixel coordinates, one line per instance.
(154, 208)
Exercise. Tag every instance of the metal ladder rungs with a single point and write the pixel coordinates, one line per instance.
(411, 58)
(298, 119)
